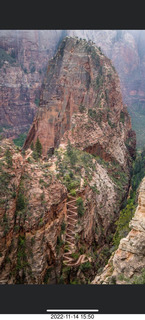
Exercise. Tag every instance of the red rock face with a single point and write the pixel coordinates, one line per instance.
(81, 101)
(128, 260)
(23, 59)
(125, 48)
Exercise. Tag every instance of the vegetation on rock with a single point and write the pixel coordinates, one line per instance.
(19, 141)
(130, 204)
(37, 149)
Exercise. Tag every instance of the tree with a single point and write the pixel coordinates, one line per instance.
(38, 148)
(71, 153)
(8, 158)
(80, 206)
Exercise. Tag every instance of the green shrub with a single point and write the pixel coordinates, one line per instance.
(85, 266)
(80, 207)
(112, 280)
(122, 117)
(13, 54)
(75, 255)
(14, 194)
(37, 150)
(71, 153)
(32, 241)
(20, 201)
(69, 167)
(94, 188)
(47, 275)
(37, 102)
(139, 279)
(95, 116)
(99, 81)
(92, 113)
(63, 226)
(72, 185)
(41, 222)
(5, 178)
(4, 56)
(5, 224)
(73, 192)
(38, 147)
(8, 158)
(59, 243)
(123, 223)
(129, 206)
(82, 108)
(21, 254)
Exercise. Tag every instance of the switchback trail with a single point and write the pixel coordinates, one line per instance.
(70, 235)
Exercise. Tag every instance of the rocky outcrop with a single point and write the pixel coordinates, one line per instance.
(126, 49)
(87, 149)
(128, 262)
(81, 101)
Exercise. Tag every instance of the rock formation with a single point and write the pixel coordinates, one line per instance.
(87, 150)
(81, 101)
(128, 262)
(24, 55)
(126, 49)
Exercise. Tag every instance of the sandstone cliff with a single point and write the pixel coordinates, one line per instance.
(87, 150)
(81, 101)
(24, 55)
(126, 49)
(126, 265)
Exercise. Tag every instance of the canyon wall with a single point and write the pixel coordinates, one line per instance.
(24, 55)
(84, 133)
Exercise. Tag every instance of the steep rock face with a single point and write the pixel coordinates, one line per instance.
(24, 55)
(81, 101)
(128, 261)
(32, 209)
(126, 49)
(82, 118)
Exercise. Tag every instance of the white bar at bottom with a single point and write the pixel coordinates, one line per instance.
(72, 310)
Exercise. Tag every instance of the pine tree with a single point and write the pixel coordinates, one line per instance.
(8, 158)
(38, 148)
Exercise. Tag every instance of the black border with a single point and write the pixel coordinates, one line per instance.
(36, 299)
(71, 15)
